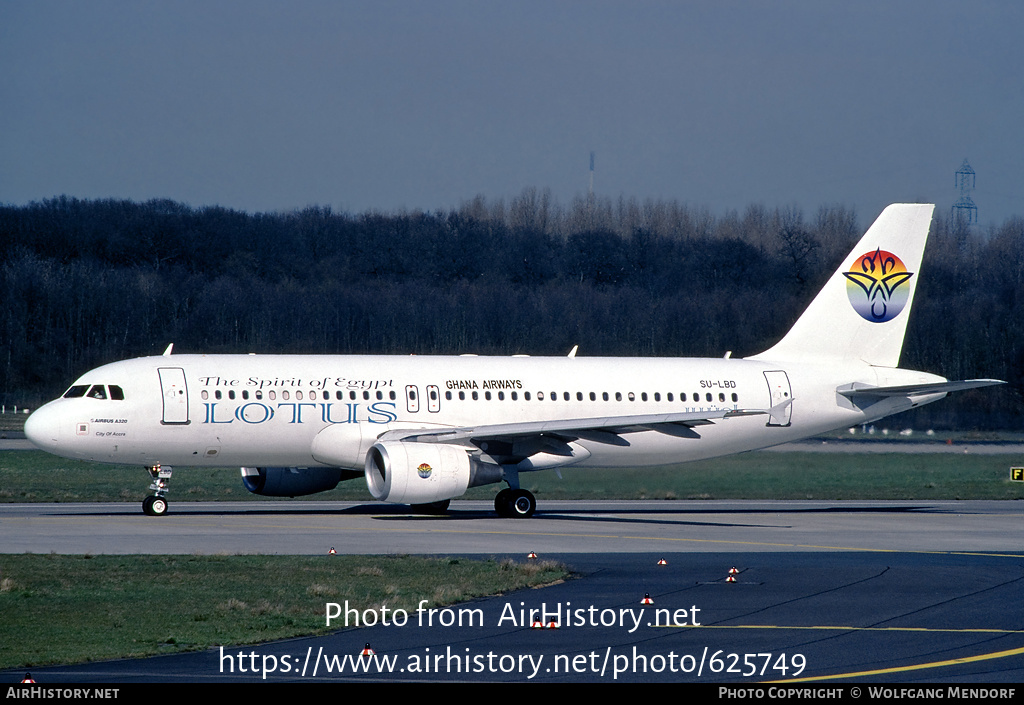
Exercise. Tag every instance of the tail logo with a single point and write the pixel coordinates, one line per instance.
(874, 285)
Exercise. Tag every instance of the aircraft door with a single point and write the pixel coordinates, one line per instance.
(779, 393)
(433, 398)
(175, 395)
(412, 398)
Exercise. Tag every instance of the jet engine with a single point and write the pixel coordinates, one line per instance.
(290, 482)
(421, 473)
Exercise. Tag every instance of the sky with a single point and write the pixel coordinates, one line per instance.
(400, 105)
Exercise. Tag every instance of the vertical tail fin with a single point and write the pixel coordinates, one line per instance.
(862, 311)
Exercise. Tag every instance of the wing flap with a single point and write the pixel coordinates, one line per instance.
(599, 429)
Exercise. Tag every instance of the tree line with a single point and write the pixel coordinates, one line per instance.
(86, 282)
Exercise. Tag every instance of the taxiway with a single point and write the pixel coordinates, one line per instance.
(849, 592)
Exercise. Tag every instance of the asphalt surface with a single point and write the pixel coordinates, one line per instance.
(843, 592)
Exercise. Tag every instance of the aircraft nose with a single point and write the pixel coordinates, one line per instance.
(42, 427)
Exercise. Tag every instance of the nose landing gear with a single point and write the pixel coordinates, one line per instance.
(156, 504)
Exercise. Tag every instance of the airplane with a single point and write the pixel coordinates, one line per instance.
(421, 430)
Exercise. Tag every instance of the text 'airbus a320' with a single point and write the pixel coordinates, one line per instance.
(423, 429)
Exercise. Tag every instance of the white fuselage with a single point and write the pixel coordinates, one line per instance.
(266, 410)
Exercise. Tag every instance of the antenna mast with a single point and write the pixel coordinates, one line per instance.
(590, 193)
(964, 174)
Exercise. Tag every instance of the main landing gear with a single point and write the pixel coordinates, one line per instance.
(156, 504)
(515, 503)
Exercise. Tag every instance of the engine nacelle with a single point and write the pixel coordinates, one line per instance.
(290, 482)
(418, 473)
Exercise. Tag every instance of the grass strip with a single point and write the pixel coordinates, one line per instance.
(69, 609)
(34, 476)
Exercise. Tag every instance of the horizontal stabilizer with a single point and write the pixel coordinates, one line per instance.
(859, 389)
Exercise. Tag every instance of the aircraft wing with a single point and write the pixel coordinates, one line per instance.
(859, 389)
(603, 429)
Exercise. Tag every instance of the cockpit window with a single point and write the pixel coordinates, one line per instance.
(96, 391)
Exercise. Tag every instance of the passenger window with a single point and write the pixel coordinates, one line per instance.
(668, 397)
(657, 396)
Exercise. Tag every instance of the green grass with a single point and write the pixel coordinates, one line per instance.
(68, 609)
(776, 475)
(34, 476)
